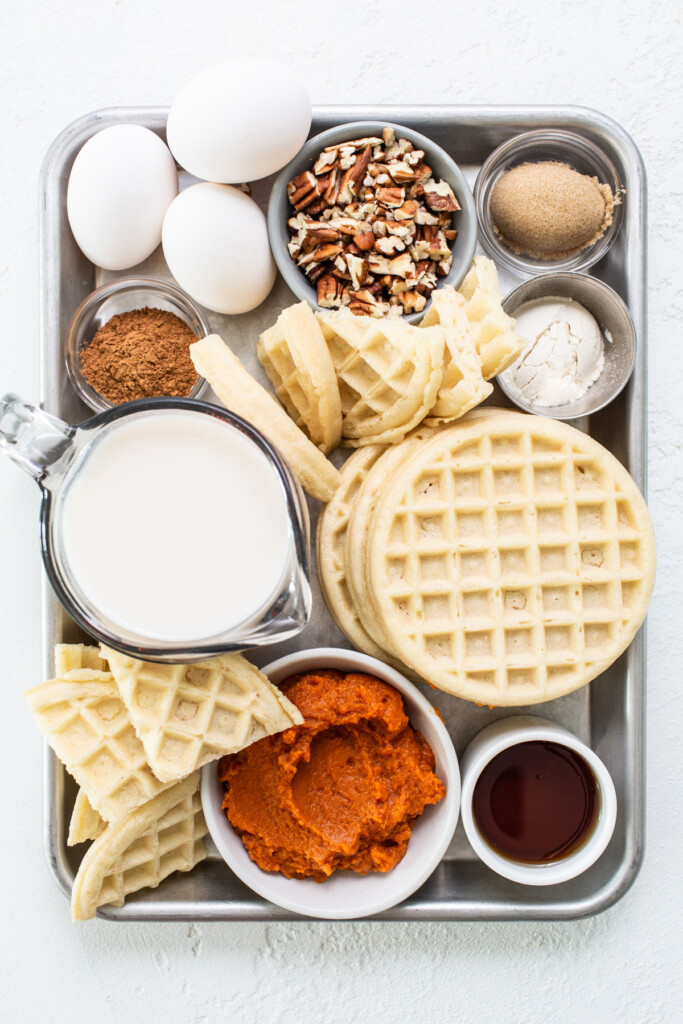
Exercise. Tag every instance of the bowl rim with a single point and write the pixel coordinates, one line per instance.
(85, 391)
(448, 809)
(525, 265)
(516, 298)
(294, 277)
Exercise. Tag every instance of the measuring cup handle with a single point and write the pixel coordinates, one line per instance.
(32, 438)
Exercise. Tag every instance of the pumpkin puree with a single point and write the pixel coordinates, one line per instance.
(340, 791)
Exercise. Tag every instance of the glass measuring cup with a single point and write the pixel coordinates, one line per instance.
(54, 453)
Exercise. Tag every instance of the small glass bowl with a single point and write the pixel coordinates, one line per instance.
(533, 147)
(121, 296)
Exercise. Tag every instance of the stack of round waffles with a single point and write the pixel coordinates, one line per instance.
(507, 559)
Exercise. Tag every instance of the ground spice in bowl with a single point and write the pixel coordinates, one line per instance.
(549, 211)
(143, 353)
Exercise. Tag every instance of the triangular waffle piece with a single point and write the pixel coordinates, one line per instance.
(463, 386)
(389, 374)
(295, 356)
(87, 725)
(242, 394)
(188, 715)
(140, 850)
(85, 822)
(494, 335)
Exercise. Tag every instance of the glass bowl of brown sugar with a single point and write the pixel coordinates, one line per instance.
(548, 201)
(130, 339)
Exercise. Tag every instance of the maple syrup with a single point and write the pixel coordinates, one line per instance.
(536, 802)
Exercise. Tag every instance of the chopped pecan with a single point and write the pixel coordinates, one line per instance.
(303, 190)
(326, 159)
(329, 290)
(414, 157)
(391, 196)
(332, 190)
(412, 302)
(364, 240)
(399, 227)
(358, 268)
(402, 266)
(407, 211)
(390, 245)
(353, 177)
(323, 252)
(315, 270)
(401, 172)
(313, 237)
(371, 140)
(423, 216)
(440, 196)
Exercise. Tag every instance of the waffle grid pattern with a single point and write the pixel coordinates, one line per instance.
(188, 715)
(87, 725)
(388, 377)
(147, 845)
(532, 549)
(173, 844)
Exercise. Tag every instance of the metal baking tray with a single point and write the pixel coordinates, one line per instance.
(609, 714)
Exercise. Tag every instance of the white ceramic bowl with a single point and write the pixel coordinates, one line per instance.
(508, 732)
(346, 894)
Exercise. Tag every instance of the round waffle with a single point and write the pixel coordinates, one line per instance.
(361, 513)
(331, 543)
(510, 559)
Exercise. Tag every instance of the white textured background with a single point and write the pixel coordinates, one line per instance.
(59, 60)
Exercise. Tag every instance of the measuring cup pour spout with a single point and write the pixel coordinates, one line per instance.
(32, 438)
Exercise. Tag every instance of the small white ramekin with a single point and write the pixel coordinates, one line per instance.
(346, 894)
(508, 732)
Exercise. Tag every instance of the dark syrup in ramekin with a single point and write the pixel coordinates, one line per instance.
(536, 802)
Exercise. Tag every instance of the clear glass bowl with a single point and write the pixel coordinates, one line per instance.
(121, 296)
(532, 147)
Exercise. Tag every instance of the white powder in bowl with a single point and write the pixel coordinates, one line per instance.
(564, 353)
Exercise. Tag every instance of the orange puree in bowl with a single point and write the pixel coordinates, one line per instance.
(340, 791)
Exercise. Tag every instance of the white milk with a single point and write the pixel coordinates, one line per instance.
(175, 526)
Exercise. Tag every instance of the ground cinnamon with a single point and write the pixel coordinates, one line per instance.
(140, 354)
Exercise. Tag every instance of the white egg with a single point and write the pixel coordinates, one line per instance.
(239, 121)
(121, 185)
(215, 242)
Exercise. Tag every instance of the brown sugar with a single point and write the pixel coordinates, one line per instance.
(143, 353)
(548, 210)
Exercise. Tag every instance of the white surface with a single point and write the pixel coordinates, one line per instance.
(58, 61)
(348, 895)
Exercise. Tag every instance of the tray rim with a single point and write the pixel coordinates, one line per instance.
(635, 273)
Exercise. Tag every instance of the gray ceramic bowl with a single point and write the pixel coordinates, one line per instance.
(280, 210)
(614, 321)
